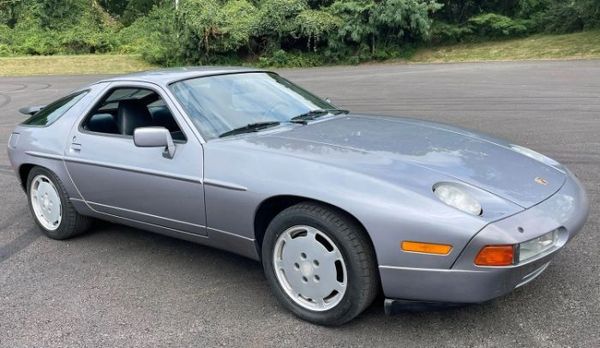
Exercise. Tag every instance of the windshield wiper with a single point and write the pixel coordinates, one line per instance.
(251, 127)
(314, 114)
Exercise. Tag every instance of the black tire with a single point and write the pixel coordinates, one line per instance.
(355, 247)
(72, 223)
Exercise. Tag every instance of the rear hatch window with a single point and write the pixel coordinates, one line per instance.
(55, 110)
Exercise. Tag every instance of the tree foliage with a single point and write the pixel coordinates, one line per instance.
(127, 11)
(56, 27)
(277, 32)
(154, 36)
(315, 26)
(366, 24)
(491, 25)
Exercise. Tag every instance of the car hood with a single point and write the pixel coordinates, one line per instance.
(478, 160)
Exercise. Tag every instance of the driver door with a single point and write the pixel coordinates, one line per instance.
(117, 178)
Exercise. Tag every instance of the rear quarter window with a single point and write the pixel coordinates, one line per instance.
(55, 110)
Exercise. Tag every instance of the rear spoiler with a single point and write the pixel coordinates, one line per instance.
(31, 110)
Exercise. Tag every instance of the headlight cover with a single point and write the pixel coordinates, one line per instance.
(538, 245)
(455, 196)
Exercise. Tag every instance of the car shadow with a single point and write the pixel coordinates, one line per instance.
(221, 268)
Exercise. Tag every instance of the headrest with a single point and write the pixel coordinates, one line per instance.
(132, 114)
(103, 123)
(162, 117)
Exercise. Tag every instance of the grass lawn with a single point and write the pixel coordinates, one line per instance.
(71, 65)
(584, 45)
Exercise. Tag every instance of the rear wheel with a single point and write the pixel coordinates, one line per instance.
(320, 264)
(50, 206)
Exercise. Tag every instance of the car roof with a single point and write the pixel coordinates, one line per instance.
(167, 76)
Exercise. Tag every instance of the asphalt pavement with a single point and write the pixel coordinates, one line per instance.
(118, 286)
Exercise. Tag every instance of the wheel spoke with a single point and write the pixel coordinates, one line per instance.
(320, 302)
(53, 215)
(311, 233)
(333, 256)
(339, 287)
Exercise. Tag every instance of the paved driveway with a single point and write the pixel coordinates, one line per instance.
(118, 286)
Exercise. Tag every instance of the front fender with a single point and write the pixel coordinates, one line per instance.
(397, 206)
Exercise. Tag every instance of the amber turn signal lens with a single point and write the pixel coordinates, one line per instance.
(426, 248)
(495, 255)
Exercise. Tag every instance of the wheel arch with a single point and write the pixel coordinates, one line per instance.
(24, 170)
(270, 207)
(57, 168)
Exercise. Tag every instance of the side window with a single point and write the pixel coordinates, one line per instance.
(122, 110)
(55, 110)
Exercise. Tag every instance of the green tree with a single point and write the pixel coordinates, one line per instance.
(155, 36)
(276, 21)
(211, 28)
(365, 22)
(315, 26)
(127, 11)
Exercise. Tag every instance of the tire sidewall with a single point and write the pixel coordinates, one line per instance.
(336, 315)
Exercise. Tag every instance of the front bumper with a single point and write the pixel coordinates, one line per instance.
(464, 282)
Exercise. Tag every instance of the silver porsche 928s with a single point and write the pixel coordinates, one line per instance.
(337, 206)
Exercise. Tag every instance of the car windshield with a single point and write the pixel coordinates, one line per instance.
(219, 104)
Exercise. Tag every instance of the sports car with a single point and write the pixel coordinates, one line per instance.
(337, 206)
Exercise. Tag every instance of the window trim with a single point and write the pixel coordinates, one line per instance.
(103, 97)
(82, 92)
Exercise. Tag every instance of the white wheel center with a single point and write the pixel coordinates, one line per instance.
(307, 269)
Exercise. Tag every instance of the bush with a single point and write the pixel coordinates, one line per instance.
(281, 58)
(356, 26)
(237, 21)
(280, 32)
(442, 32)
(210, 30)
(491, 25)
(48, 27)
(398, 19)
(5, 35)
(392, 52)
(590, 10)
(154, 37)
(30, 39)
(561, 17)
(5, 50)
(276, 19)
(315, 26)
(568, 16)
(86, 40)
(367, 26)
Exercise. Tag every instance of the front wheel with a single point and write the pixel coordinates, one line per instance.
(320, 264)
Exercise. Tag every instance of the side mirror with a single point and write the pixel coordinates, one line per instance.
(155, 137)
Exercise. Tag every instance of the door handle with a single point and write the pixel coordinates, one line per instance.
(75, 147)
